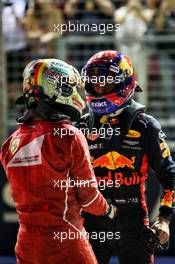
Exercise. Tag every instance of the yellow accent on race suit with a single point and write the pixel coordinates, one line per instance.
(166, 153)
(14, 145)
(133, 134)
(163, 145)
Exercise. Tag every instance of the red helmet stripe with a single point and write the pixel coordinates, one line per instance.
(36, 73)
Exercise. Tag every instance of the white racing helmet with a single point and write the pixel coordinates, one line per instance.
(53, 82)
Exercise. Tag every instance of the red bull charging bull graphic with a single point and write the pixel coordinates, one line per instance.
(113, 160)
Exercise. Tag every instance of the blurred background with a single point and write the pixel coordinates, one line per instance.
(143, 30)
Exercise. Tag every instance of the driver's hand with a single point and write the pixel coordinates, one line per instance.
(161, 227)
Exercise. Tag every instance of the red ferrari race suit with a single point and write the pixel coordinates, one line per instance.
(51, 179)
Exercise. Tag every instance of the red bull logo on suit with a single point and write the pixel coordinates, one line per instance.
(113, 160)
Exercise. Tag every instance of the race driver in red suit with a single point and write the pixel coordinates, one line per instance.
(123, 141)
(48, 166)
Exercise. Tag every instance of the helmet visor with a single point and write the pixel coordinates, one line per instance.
(101, 81)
